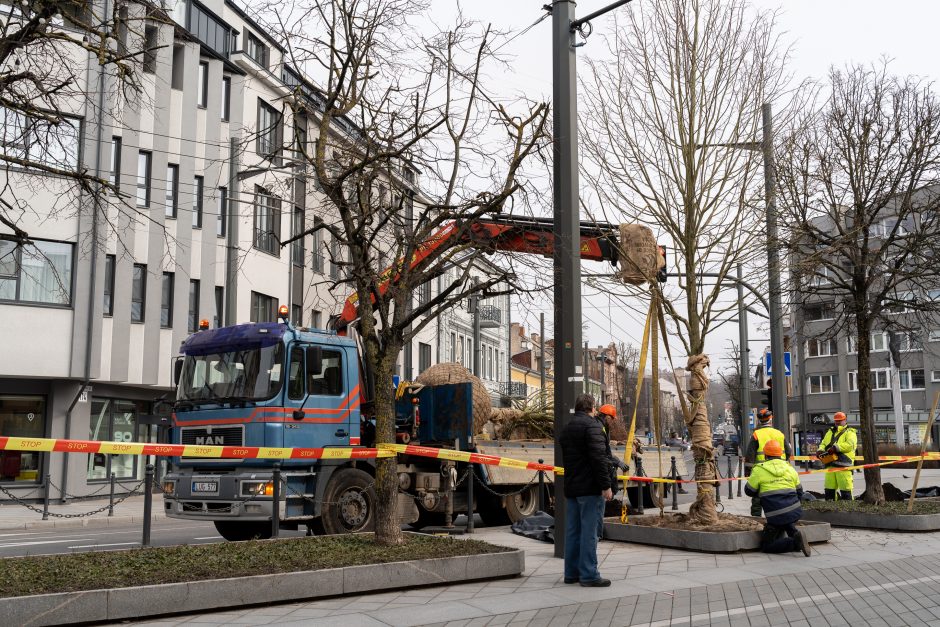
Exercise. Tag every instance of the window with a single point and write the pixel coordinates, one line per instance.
(823, 383)
(202, 85)
(40, 142)
(256, 50)
(108, 305)
(22, 417)
(138, 292)
(166, 301)
(295, 374)
(40, 272)
(219, 306)
(115, 177)
(226, 97)
(329, 381)
(178, 71)
(210, 30)
(269, 130)
(267, 221)
(934, 335)
(150, 49)
(911, 379)
(336, 265)
(316, 319)
(821, 348)
(424, 294)
(297, 246)
(197, 202)
(908, 341)
(935, 376)
(223, 211)
(898, 305)
(318, 261)
(263, 308)
(297, 314)
(879, 342)
(193, 305)
(489, 363)
(819, 312)
(172, 189)
(424, 356)
(820, 277)
(468, 355)
(115, 421)
(143, 179)
(880, 379)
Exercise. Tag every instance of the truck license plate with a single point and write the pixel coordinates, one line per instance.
(205, 486)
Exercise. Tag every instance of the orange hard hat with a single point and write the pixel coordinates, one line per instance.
(839, 417)
(773, 449)
(764, 415)
(608, 409)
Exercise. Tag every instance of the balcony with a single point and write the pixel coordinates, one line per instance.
(490, 316)
(514, 390)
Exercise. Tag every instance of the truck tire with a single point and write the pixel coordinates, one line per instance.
(239, 531)
(491, 511)
(523, 504)
(349, 503)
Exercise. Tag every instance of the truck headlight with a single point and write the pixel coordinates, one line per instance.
(169, 488)
(257, 488)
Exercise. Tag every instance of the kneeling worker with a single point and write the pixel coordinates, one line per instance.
(777, 485)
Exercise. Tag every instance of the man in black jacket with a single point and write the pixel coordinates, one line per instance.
(587, 488)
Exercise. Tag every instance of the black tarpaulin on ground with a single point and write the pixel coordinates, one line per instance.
(539, 526)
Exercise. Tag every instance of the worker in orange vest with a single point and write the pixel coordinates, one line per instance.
(763, 433)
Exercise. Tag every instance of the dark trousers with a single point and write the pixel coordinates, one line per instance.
(755, 506)
(779, 539)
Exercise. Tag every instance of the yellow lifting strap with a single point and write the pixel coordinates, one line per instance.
(639, 388)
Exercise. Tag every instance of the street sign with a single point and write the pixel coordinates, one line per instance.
(750, 419)
(786, 364)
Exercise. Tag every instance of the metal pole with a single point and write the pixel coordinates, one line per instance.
(740, 471)
(567, 231)
(470, 499)
(674, 473)
(743, 354)
(45, 495)
(542, 354)
(541, 488)
(603, 384)
(781, 417)
(586, 369)
(111, 497)
(276, 502)
(640, 487)
(148, 504)
(730, 474)
(717, 485)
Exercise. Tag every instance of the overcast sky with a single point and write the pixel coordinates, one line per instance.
(822, 33)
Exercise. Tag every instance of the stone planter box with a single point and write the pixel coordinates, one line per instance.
(95, 606)
(705, 541)
(887, 522)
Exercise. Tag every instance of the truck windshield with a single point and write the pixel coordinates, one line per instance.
(252, 374)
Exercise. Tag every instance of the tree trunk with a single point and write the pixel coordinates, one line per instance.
(387, 525)
(703, 511)
(874, 492)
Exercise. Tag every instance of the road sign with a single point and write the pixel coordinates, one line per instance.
(786, 364)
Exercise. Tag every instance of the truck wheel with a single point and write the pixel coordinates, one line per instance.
(239, 531)
(349, 502)
(524, 504)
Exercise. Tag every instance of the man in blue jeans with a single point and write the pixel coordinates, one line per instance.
(587, 488)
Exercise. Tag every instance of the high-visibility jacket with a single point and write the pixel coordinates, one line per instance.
(761, 436)
(845, 441)
(778, 486)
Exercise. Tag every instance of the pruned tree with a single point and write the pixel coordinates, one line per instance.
(393, 103)
(46, 47)
(684, 82)
(859, 184)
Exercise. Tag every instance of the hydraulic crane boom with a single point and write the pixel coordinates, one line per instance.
(520, 234)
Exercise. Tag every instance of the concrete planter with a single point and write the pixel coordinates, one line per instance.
(705, 541)
(199, 596)
(887, 522)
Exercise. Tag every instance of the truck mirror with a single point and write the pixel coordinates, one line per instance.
(314, 357)
(177, 370)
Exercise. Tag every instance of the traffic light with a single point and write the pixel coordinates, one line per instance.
(767, 398)
(662, 274)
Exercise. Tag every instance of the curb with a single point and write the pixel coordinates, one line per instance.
(881, 522)
(94, 606)
(706, 541)
(74, 523)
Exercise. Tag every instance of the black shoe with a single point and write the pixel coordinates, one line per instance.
(802, 543)
(597, 583)
(845, 495)
(830, 494)
(567, 580)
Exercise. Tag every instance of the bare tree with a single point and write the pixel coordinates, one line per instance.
(859, 189)
(686, 78)
(46, 47)
(391, 104)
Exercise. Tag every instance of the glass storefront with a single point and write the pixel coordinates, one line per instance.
(21, 416)
(115, 420)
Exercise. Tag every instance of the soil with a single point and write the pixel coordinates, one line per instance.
(726, 523)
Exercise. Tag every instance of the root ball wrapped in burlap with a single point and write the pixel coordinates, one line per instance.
(444, 373)
(639, 255)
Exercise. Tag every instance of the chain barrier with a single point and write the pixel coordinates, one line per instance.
(30, 506)
(106, 486)
(493, 492)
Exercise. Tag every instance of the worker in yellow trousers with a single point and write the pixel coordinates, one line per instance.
(754, 454)
(837, 450)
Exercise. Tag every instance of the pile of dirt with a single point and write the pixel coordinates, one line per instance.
(443, 373)
(726, 523)
(892, 494)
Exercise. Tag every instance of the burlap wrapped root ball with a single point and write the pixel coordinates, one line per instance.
(440, 374)
(639, 255)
